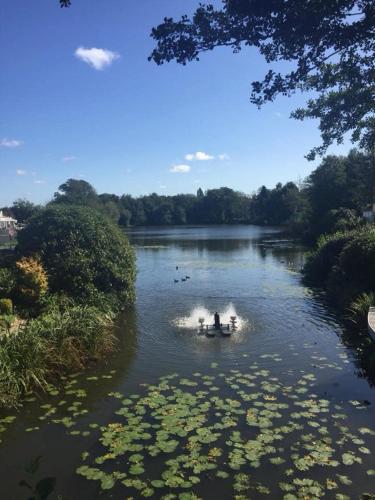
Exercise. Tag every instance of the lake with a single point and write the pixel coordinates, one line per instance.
(281, 408)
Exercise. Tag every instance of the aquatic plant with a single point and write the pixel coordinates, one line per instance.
(180, 435)
(359, 308)
(55, 342)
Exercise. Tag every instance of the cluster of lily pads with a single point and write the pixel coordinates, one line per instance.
(240, 434)
(5, 422)
(231, 430)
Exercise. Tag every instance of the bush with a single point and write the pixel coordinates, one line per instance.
(345, 264)
(58, 341)
(22, 364)
(320, 262)
(31, 281)
(7, 282)
(359, 308)
(84, 254)
(6, 307)
(356, 266)
(74, 335)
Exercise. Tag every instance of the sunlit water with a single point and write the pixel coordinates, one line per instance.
(283, 328)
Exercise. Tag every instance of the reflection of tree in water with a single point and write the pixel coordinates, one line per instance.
(39, 489)
(353, 336)
(187, 245)
(363, 350)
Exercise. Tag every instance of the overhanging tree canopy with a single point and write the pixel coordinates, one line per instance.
(330, 42)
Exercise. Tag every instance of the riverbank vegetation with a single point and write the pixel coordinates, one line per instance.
(325, 210)
(331, 198)
(344, 264)
(71, 272)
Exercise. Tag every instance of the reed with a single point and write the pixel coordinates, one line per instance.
(60, 340)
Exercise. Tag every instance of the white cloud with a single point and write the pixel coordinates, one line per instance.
(180, 169)
(278, 114)
(223, 157)
(68, 158)
(96, 58)
(21, 172)
(10, 143)
(38, 181)
(199, 156)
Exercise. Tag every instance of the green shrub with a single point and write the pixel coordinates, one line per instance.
(356, 265)
(31, 281)
(321, 261)
(7, 282)
(84, 254)
(6, 306)
(360, 306)
(22, 364)
(58, 341)
(345, 264)
(75, 334)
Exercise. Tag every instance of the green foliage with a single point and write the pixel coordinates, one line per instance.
(76, 192)
(84, 254)
(356, 265)
(337, 191)
(31, 282)
(331, 46)
(22, 210)
(7, 282)
(345, 264)
(325, 257)
(59, 340)
(6, 306)
(23, 364)
(360, 306)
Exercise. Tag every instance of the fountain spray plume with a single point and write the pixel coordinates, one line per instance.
(201, 314)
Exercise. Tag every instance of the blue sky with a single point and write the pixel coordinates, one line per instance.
(128, 127)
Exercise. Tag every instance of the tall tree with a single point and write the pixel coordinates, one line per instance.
(76, 192)
(331, 44)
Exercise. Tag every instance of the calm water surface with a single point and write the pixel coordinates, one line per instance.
(285, 332)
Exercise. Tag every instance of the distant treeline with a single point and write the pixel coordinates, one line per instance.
(331, 198)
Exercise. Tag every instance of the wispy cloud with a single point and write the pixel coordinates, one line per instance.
(96, 58)
(39, 181)
(67, 159)
(21, 172)
(223, 157)
(180, 169)
(10, 143)
(199, 156)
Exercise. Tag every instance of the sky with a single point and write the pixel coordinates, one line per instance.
(79, 99)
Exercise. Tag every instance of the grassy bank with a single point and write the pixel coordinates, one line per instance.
(343, 264)
(35, 352)
(60, 291)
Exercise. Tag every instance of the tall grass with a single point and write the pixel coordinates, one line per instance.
(359, 308)
(60, 340)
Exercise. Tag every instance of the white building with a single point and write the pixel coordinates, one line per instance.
(7, 224)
